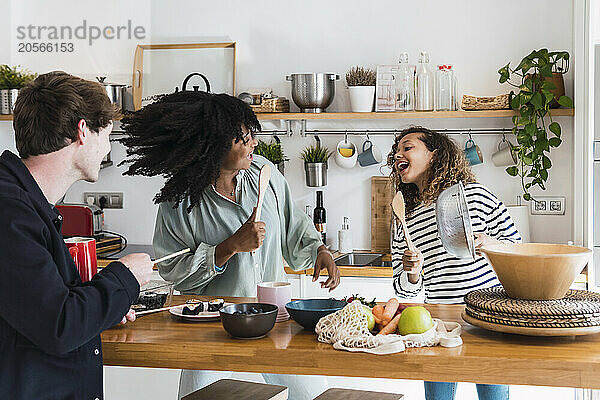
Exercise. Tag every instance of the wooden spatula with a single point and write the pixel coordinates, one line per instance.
(263, 182)
(399, 209)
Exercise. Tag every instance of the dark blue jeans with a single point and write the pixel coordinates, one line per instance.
(447, 390)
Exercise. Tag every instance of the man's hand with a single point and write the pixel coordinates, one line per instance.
(130, 316)
(140, 266)
(325, 261)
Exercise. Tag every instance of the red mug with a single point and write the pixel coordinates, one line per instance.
(83, 252)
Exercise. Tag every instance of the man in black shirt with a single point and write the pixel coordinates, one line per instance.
(50, 322)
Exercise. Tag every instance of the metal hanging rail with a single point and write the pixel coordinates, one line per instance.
(452, 131)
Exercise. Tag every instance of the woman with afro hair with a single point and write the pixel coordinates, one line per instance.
(203, 145)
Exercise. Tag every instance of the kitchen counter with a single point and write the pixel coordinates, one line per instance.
(368, 271)
(163, 341)
(344, 270)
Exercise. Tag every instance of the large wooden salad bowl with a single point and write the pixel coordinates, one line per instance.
(536, 271)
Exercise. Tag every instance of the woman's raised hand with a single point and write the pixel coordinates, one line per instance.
(412, 262)
(251, 235)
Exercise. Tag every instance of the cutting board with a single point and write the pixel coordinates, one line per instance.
(382, 194)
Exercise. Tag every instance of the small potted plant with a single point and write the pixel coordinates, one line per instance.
(533, 123)
(273, 152)
(11, 80)
(361, 84)
(315, 164)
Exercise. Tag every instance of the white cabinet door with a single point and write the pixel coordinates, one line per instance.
(294, 279)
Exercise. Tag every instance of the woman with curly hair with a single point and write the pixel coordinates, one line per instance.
(424, 163)
(203, 145)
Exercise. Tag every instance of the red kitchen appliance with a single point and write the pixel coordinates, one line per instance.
(81, 220)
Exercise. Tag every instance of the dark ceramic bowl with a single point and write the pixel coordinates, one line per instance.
(240, 321)
(308, 312)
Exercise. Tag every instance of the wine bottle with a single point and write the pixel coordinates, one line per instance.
(319, 217)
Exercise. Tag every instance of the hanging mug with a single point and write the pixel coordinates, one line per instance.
(346, 154)
(505, 156)
(473, 153)
(370, 154)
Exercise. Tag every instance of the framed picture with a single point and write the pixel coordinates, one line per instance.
(385, 88)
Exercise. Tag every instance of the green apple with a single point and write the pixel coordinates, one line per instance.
(370, 317)
(415, 319)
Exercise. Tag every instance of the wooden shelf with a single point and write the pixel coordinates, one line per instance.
(9, 117)
(559, 112)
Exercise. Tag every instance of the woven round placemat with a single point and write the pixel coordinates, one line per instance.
(535, 322)
(577, 304)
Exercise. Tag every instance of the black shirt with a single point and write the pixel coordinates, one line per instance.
(50, 322)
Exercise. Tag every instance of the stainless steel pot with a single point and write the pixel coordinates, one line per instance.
(313, 93)
(114, 91)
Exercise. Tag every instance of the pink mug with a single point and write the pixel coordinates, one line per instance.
(278, 293)
(83, 252)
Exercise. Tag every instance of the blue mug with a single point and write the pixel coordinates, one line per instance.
(370, 155)
(473, 153)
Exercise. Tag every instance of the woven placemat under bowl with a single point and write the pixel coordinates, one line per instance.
(524, 330)
(577, 304)
(535, 322)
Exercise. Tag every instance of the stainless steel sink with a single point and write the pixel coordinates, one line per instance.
(362, 260)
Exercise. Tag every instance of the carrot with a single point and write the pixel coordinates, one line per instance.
(391, 327)
(390, 309)
(378, 313)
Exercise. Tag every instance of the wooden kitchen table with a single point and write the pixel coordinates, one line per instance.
(162, 340)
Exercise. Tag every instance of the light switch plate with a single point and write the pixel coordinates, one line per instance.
(111, 199)
(548, 205)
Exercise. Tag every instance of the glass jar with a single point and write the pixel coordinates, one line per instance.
(424, 85)
(445, 89)
(405, 85)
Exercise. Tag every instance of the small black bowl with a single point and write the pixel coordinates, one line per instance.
(308, 312)
(242, 321)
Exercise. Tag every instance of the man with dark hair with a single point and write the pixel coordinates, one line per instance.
(50, 322)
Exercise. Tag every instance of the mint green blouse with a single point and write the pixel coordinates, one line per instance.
(290, 235)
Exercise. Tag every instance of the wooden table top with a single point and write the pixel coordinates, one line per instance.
(162, 340)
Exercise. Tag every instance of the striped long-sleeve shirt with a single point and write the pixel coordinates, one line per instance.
(446, 278)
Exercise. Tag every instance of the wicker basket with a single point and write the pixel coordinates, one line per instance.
(485, 103)
(274, 105)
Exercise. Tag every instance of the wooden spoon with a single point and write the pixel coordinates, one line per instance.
(263, 182)
(399, 209)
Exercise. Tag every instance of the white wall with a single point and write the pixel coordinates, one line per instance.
(278, 38)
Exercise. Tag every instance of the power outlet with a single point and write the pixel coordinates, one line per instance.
(548, 205)
(104, 199)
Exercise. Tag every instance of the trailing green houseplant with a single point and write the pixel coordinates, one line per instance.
(534, 128)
